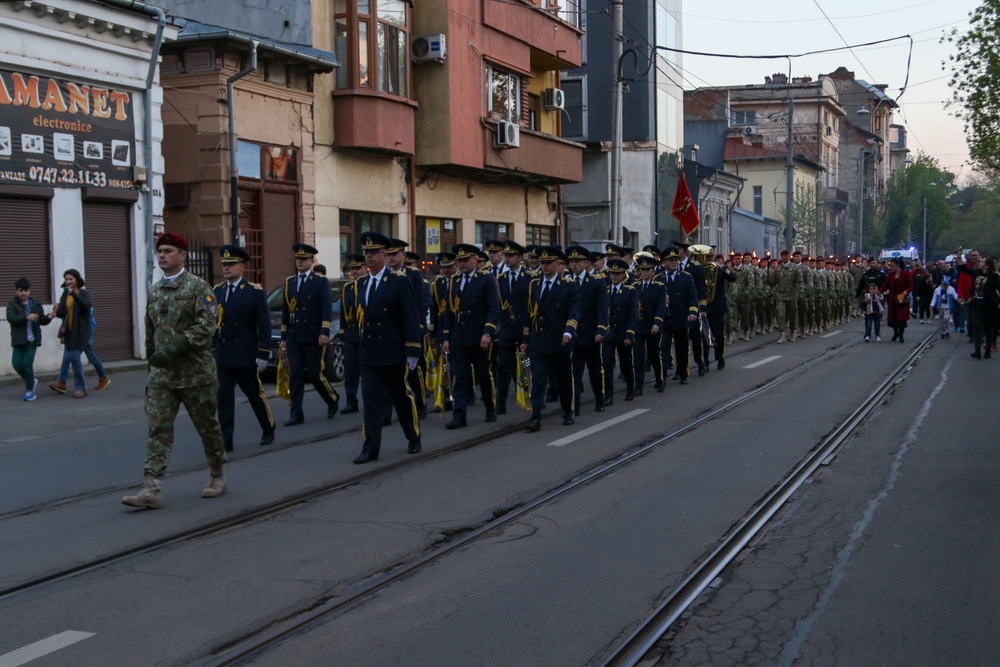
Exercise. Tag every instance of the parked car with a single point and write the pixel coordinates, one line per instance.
(334, 366)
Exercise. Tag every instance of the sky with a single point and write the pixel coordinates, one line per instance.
(757, 27)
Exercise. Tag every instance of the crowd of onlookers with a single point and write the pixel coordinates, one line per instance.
(963, 293)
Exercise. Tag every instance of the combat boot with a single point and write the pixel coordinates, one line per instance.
(216, 485)
(148, 497)
(782, 339)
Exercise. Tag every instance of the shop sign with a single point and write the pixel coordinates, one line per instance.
(57, 133)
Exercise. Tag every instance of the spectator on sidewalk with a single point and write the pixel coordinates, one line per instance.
(897, 288)
(944, 303)
(26, 318)
(102, 376)
(74, 309)
(967, 274)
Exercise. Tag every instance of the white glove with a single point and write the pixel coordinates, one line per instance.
(261, 365)
(411, 362)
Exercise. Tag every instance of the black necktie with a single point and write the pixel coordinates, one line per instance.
(229, 293)
(465, 281)
(302, 279)
(545, 289)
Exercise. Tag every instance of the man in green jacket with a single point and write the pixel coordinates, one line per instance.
(26, 317)
(181, 317)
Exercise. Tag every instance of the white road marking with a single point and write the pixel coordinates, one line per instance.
(42, 648)
(832, 333)
(561, 442)
(766, 360)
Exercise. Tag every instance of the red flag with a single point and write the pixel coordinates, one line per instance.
(684, 209)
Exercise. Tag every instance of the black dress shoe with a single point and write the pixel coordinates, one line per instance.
(295, 422)
(685, 381)
(677, 376)
(387, 421)
(422, 414)
(331, 411)
(350, 409)
(670, 366)
(414, 447)
(599, 407)
(660, 386)
(630, 396)
(608, 402)
(365, 457)
(701, 371)
(568, 420)
(491, 417)
(501, 409)
(638, 392)
(721, 365)
(267, 438)
(976, 355)
(576, 411)
(533, 424)
(455, 423)
(228, 446)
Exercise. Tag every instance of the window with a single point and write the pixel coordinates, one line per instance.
(567, 10)
(758, 199)
(878, 123)
(354, 223)
(743, 117)
(539, 235)
(534, 105)
(505, 93)
(574, 120)
(354, 24)
(248, 159)
(489, 231)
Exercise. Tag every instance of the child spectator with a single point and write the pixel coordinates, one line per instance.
(944, 301)
(874, 304)
(26, 318)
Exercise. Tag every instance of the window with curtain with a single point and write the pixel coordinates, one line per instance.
(371, 40)
(505, 93)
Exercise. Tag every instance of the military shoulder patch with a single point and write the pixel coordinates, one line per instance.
(211, 305)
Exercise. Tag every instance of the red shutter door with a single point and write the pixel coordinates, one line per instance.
(278, 229)
(107, 247)
(24, 236)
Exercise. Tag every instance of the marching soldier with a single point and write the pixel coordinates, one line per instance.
(552, 312)
(652, 309)
(389, 320)
(438, 306)
(242, 345)
(688, 265)
(787, 282)
(734, 295)
(591, 327)
(494, 252)
(181, 316)
(396, 255)
(683, 310)
(305, 332)
(765, 305)
(531, 258)
(470, 323)
(804, 293)
(623, 320)
(350, 331)
(513, 285)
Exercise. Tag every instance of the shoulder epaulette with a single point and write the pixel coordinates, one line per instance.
(217, 286)
(255, 285)
(483, 272)
(567, 279)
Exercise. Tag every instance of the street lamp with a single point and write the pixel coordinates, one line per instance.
(931, 185)
(861, 198)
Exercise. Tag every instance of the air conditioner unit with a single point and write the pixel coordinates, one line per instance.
(554, 99)
(508, 134)
(428, 48)
(749, 129)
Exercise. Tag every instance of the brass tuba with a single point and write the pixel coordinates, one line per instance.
(704, 255)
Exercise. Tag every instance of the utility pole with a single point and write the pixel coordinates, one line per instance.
(616, 119)
(789, 169)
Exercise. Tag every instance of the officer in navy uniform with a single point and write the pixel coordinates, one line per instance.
(438, 304)
(623, 319)
(513, 284)
(350, 331)
(471, 322)
(652, 309)
(389, 320)
(683, 309)
(552, 313)
(591, 328)
(716, 310)
(396, 256)
(305, 332)
(697, 272)
(242, 345)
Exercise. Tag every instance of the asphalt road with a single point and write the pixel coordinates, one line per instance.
(555, 588)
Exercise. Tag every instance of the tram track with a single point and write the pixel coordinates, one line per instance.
(640, 647)
(237, 650)
(259, 512)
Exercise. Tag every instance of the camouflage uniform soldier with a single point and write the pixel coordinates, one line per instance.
(787, 283)
(765, 306)
(746, 279)
(181, 317)
(734, 295)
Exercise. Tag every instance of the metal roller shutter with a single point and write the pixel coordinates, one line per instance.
(24, 236)
(107, 247)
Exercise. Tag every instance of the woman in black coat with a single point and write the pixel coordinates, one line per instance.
(74, 309)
